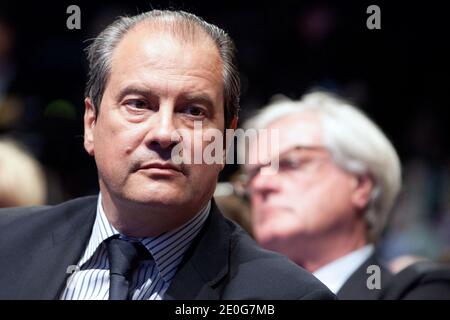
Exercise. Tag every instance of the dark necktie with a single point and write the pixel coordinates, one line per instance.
(124, 257)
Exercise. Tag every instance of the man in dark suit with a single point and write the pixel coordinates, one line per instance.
(326, 204)
(157, 83)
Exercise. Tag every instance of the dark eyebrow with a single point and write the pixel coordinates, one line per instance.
(303, 148)
(135, 90)
(201, 98)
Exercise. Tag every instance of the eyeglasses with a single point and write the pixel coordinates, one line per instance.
(298, 159)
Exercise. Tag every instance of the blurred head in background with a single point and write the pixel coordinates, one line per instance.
(337, 179)
(22, 179)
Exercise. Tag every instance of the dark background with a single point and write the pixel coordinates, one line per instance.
(398, 75)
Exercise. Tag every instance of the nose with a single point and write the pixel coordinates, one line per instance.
(264, 183)
(163, 133)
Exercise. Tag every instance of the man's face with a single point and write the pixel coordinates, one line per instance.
(307, 197)
(158, 86)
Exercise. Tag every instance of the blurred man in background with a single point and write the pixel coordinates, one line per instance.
(328, 202)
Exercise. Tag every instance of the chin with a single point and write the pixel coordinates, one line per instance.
(268, 243)
(272, 234)
(264, 237)
(161, 197)
(165, 201)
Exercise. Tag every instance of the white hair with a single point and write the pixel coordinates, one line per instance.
(356, 143)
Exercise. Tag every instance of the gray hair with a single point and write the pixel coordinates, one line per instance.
(356, 143)
(179, 23)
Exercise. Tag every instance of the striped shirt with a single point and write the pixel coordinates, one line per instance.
(152, 278)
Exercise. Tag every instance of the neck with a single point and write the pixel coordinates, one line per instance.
(143, 220)
(316, 252)
(313, 263)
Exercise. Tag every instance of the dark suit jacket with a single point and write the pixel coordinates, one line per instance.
(422, 280)
(425, 280)
(355, 288)
(38, 244)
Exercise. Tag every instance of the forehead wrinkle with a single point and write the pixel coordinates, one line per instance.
(170, 33)
(148, 58)
(162, 86)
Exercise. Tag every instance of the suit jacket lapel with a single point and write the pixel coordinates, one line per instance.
(47, 270)
(205, 263)
(355, 288)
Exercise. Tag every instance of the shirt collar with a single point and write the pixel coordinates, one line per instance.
(166, 249)
(334, 274)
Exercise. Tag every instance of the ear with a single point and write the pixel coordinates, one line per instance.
(234, 123)
(90, 117)
(363, 186)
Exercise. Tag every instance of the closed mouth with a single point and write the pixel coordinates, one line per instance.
(161, 166)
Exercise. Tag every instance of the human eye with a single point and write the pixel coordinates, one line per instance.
(193, 111)
(290, 164)
(137, 104)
